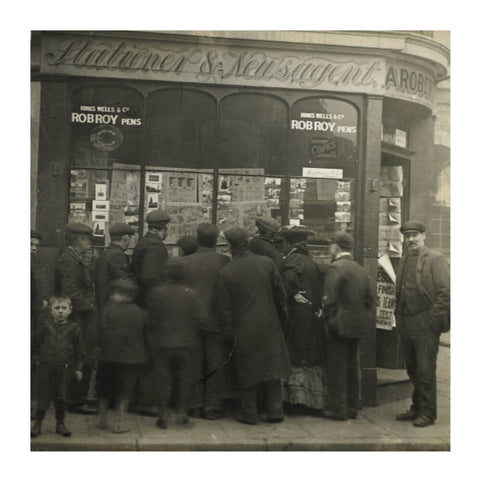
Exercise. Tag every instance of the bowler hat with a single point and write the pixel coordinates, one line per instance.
(78, 229)
(157, 217)
(343, 240)
(119, 228)
(412, 226)
(267, 223)
(236, 236)
(205, 229)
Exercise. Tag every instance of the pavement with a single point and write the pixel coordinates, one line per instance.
(375, 429)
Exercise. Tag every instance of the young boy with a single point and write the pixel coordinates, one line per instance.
(122, 352)
(173, 312)
(59, 353)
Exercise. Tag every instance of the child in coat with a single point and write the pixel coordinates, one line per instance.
(59, 353)
(122, 352)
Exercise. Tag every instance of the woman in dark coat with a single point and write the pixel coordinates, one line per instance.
(303, 281)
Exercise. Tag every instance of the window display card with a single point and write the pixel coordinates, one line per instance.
(100, 215)
(101, 191)
(343, 216)
(77, 206)
(100, 205)
(99, 228)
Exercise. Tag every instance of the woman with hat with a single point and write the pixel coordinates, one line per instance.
(306, 346)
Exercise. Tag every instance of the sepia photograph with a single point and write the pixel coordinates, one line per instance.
(294, 298)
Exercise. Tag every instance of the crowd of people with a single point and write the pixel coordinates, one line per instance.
(266, 326)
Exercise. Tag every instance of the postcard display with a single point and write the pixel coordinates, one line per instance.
(99, 198)
(390, 212)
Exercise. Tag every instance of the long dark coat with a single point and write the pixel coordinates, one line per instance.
(303, 331)
(73, 278)
(263, 246)
(112, 264)
(349, 298)
(148, 261)
(201, 274)
(252, 300)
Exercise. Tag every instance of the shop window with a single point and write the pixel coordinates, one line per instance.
(324, 135)
(106, 126)
(180, 128)
(253, 133)
(99, 198)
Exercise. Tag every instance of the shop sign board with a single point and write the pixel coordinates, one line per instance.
(409, 82)
(385, 294)
(106, 56)
(322, 173)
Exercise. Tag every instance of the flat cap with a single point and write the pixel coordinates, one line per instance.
(126, 285)
(412, 226)
(343, 240)
(119, 228)
(35, 235)
(237, 236)
(267, 223)
(77, 228)
(157, 217)
(296, 232)
(188, 244)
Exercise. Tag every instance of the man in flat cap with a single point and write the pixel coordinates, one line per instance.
(349, 304)
(148, 265)
(150, 254)
(201, 274)
(252, 303)
(423, 313)
(113, 263)
(73, 278)
(264, 243)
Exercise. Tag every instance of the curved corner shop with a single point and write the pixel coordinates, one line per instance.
(333, 135)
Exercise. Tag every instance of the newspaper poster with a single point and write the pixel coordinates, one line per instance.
(385, 294)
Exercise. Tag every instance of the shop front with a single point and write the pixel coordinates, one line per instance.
(224, 131)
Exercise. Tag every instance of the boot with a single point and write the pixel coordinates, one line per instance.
(62, 429)
(119, 425)
(36, 428)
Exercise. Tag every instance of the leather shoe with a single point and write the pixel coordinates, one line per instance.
(62, 430)
(195, 413)
(36, 429)
(352, 414)
(422, 422)
(335, 415)
(161, 423)
(241, 418)
(408, 416)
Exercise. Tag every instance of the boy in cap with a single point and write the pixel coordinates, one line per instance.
(122, 351)
(113, 263)
(201, 274)
(423, 313)
(173, 310)
(59, 353)
(252, 302)
(73, 278)
(348, 304)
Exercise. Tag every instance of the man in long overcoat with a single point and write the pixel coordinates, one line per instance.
(423, 313)
(201, 274)
(149, 261)
(73, 279)
(113, 264)
(252, 301)
(349, 303)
